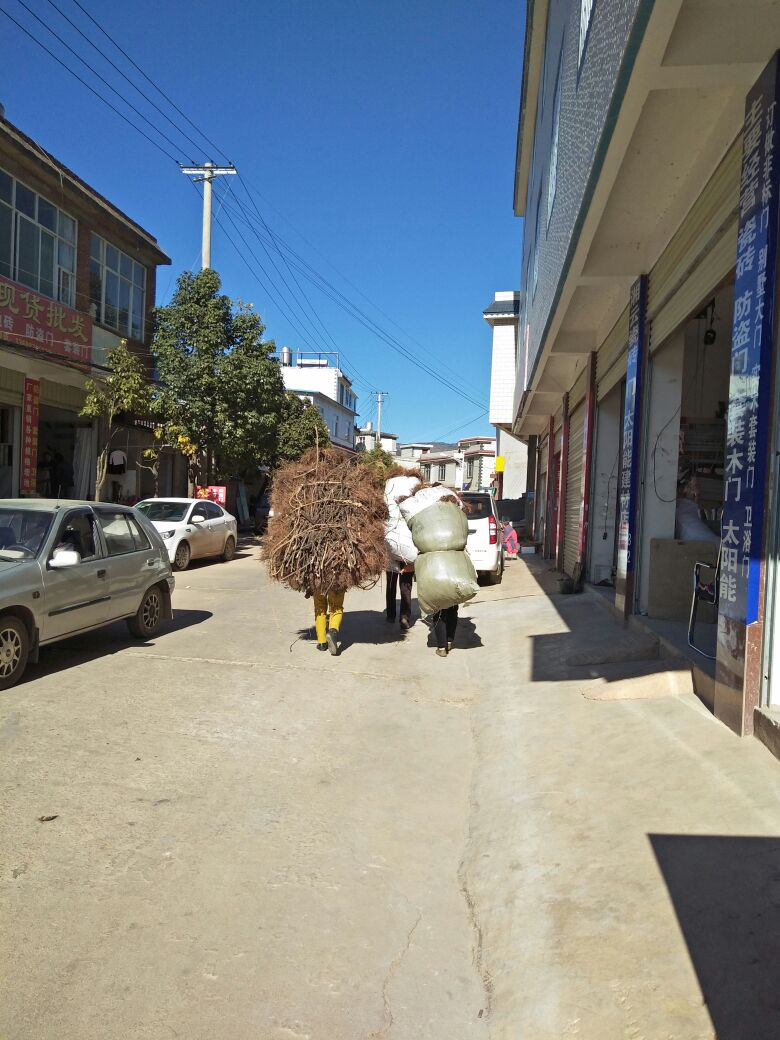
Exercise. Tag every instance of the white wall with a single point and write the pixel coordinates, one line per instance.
(604, 487)
(663, 398)
(515, 463)
(502, 374)
(312, 379)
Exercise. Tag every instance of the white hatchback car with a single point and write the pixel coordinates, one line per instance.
(192, 528)
(484, 543)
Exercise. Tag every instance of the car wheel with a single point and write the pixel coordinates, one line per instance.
(14, 650)
(149, 616)
(182, 556)
(230, 549)
(496, 577)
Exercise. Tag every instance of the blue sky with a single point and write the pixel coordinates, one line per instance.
(382, 133)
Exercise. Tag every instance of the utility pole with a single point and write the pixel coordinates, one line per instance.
(206, 174)
(380, 395)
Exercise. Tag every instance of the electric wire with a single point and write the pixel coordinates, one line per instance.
(149, 80)
(94, 72)
(334, 294)
(360, 378)
(89, 87)
(124, 75)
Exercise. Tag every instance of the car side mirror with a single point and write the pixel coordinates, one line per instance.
(65, 558)
(197, 520)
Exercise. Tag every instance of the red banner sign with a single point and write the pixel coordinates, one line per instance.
(35, 321)
(214, 492)
(30, 412)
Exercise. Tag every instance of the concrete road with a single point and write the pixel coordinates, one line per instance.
(255, 840)
(252, 839)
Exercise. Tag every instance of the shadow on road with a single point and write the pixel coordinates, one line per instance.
(726, 894)
(102, 643)
(466, 635)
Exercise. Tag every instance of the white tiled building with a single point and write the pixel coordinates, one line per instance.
(313, 378)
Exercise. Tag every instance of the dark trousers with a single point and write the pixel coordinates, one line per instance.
(444, 624)
(405, 583)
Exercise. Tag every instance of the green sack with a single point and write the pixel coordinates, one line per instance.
(444, 579)
(441, 527)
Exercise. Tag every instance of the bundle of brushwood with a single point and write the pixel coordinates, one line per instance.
(328, 528)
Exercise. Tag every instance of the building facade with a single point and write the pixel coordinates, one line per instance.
(647, 176)
(77, 276)
(317, 378)
(468, 465)
(502, 315)
(366, 439)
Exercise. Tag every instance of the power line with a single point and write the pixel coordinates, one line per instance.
(94, 72)
(253, 228)
(149, 80)
(336, 296)
(303, 267)
(457, 429)
(90, 88)
(123, 74)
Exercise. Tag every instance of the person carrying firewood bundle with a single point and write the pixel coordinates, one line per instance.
(326, 535)
(328, 614)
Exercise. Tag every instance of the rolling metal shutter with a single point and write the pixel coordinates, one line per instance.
(541, 494)
(611, 357)
(543, 456)
(575, 471)
(59, 395)
(701, 254)
(577, 392)
(11, 387)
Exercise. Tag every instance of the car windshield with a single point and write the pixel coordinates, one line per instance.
(22, 533)
(161, 510)
(478, 507)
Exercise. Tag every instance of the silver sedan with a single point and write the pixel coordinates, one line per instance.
(70, 567)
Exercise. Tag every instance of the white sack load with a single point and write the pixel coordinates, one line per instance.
(444, 579)
(424, 498)
(442, 527)
(399, 487)
(398, 539)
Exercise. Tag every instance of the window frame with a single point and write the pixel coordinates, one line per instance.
(109, 515)
(469, 469)
(552, 172)
(102, 246)
(97, 535)
(60, 219)
(586, 20)
(442, 471)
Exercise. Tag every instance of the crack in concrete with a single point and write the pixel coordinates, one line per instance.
(477, 948)
(395, 963)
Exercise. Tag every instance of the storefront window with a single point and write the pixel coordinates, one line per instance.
(37, 242)
(117, 286)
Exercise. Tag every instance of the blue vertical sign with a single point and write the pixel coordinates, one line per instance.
(629, 463)
(747, 429)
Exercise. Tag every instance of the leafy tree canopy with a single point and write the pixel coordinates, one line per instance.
(125, 389)
(220, 388)
(301, 427)
(377, 461)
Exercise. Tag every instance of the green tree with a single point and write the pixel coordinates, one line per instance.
(126, 389)
(221, 391)
(377, 461)
(301, 427)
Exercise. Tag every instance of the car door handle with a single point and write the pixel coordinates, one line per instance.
(151, 563)
(101, 574)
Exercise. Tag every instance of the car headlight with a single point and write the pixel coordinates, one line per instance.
(167, 534)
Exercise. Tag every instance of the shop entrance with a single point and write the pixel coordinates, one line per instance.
(602, 551)
(10, 438)
(66, 455)
(683, 465)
